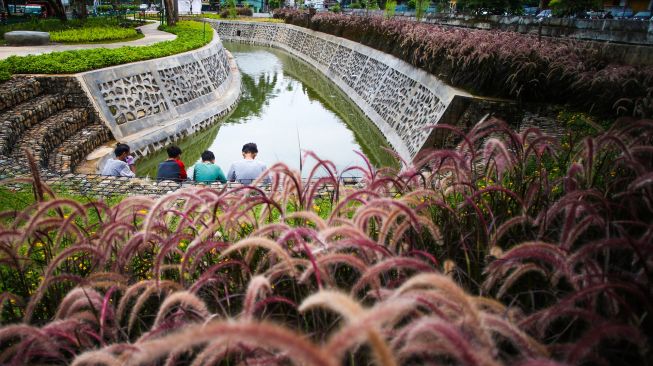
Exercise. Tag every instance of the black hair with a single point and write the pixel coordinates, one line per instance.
(173, 151)
(207, 156)
(250, 147)
(121, 149)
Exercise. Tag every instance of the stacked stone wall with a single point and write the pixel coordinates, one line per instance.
(400, 99)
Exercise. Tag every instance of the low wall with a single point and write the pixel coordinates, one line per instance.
(153, 103)
(606, 30)
(400, 99)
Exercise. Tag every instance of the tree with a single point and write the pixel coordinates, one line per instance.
(170, 12)
(571, 7)
(59, 10)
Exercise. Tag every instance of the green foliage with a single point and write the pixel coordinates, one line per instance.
(355, 5)
(274, 4)
(411, 4)
(104, 8)
(390, 6)
(420, 8)
(231, 9)
(335, 8)
(5, 72)
(570, 7)
(190, 36)
(86, 35)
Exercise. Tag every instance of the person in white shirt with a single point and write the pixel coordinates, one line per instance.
(122, 165)
(246, 170)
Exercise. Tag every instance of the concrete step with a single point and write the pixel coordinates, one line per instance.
(75, 148)
(15, 121)
(43, 138)
(18, 90)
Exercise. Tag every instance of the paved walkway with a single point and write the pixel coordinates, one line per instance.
(150, 31)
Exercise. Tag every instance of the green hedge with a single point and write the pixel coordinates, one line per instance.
(190, 36)
(95, 34)
(54, 25)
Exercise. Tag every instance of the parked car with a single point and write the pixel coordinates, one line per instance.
(620, 12)
(642, 15)
(546, 13)
(595, 14)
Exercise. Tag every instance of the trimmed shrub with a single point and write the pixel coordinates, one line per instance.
(93, 34)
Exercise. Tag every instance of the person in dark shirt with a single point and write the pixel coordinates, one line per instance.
(173, 168)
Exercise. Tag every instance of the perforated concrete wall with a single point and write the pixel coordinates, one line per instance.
(399, 98)
(152, 103)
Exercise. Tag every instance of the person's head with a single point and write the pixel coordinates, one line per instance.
(121, 151)
(173, 151)
(208, 156)
(250, 150)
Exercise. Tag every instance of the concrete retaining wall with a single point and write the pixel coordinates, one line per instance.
(399, 98)
(153, 103)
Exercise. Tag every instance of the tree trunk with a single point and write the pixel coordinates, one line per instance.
(83, 14)
(59, 10)
(2, 6)
(170, 16)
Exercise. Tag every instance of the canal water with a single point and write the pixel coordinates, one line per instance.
(287, 107)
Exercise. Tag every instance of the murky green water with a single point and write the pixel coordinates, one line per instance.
(286, 108)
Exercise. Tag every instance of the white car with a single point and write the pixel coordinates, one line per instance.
(546, 13)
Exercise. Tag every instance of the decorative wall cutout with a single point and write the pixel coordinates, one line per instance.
(133, 97)
(185, 82)
(326, 56)
(423, 109)
(340, 61)
(368, 83)
(389, 101)
(215, 69)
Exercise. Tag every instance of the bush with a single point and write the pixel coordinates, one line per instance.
(189, 36)
(5, 72)
(86, 35)
(244, 12)
(501, 64)
(355, 5)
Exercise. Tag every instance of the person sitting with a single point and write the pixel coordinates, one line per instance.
(207, 171)
(173, 168)
(122, 165)
(246, 170)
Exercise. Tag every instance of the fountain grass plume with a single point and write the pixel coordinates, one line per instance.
(258, 286)
(183, 301)
(350, 310)
(263, 334)
(388, 264)
(271, 246)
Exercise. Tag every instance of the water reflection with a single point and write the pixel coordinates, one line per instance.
(286, 107)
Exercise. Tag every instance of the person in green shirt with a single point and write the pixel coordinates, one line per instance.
(207, 171)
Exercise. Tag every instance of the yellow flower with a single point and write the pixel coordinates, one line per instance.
(142, 212)
(316, 208)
